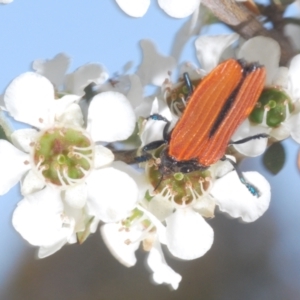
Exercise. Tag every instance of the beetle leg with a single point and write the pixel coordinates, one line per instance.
(252, 189)
(158, 117)
(151, 146)
(249, 138)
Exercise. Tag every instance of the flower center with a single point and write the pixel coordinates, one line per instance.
(63, 156)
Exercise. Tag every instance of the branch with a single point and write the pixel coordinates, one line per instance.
(243, 21)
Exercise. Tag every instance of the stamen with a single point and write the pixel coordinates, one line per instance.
(287, 111)
(70, 181)
(85, 156)
(83, 148)
(61, 133)
(82, 170)
(59, 177)
(41, 160)
(264, 120)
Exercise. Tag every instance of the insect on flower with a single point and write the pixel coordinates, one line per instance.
(218, 105)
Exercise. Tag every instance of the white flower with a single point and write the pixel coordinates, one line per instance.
(155, 68)
(184, 201)
(30, 99)
(41, 220)
(62, 155)
(124, 238)
(283, 79)
(174, 8)
(74, 83)
(210, 49)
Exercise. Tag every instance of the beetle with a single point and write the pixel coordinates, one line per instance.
(214, 110)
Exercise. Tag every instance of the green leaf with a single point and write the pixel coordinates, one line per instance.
(83, 235)
(274, 158)
(2, 134)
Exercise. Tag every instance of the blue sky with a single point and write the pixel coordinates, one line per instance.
(98, 31)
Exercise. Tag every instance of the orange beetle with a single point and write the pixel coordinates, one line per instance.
(215, 109)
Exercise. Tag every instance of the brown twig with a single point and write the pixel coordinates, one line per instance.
(243, 21)
(127, 156)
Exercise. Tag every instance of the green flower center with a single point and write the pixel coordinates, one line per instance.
(273, 107)
(179, 188)
(63, 156)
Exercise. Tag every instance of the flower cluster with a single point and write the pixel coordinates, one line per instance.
(71, 182)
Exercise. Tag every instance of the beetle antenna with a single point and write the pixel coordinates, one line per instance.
(188, 83)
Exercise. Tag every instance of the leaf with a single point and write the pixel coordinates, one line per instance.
(274, 158)
(83, 235)
(2, 134)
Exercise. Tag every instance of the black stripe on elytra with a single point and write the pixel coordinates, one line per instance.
(247, 68)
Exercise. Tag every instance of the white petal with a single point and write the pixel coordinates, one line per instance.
(110, 117)
(76, 196)
(293, 126)
(119, 84)
(220, 168)
(286, 129)
(162, 273)
(160, 207)
(292, 32)
(83, 76)
(210, 48)
(153, 129)
(23, 138)
(294, 73)
(188, 234)
(115, 238)
(78, 214)
(258, 49)
(205, 206)
(112, 194)
(103, 156)
(281, 78)
(253, 147)
(143, 110)
(234, 198)
(14, 164)
(135, 94)
(139, 177)
(155, 68)
(2, 103)
(68, 112)
(28, 91)
(160, 228)
(38, 219)
(6, 1)
(54, 69)
(52, 248)
(191, 27)
(31, 183)
(179, 8)
(134, 8)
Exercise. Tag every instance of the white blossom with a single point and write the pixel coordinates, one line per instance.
(174, 8)
(188, 235)
(74, 83)
(285, 79)
(92, 187)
